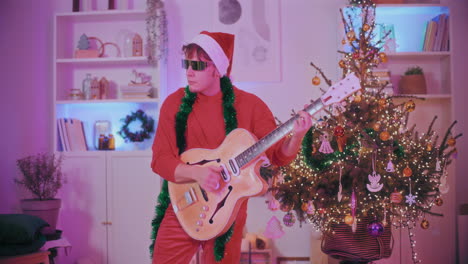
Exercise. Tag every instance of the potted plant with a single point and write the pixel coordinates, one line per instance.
(413, 82)
(42, 176)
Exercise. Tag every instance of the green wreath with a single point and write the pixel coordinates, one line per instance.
(147, 127)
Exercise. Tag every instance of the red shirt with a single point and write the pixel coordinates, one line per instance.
(206, 128)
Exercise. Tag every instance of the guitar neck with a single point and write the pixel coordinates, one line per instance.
(267, 141)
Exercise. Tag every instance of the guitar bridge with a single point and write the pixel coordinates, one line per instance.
(185, 201)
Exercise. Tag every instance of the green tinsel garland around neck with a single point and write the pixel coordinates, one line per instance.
(186, 107)
(230, 120)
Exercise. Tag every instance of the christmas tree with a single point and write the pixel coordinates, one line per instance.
(360, 161)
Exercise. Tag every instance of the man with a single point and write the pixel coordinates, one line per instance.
(200, 116)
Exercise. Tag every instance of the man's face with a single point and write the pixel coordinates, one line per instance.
(204, 81)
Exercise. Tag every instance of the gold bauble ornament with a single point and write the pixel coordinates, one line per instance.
(407, 172)
(342, 64)
(424, 224)
(376, 127)
(451, 142)
(305, 207)
(439, 201)
(343, 41)
(349, 219)
(429, 147)
(383, 57)
(351, 36)
(316, 80)
(366, 27)
(384, 136)
(285, 207)
(382, 102)
(410, 106)
(358, 98)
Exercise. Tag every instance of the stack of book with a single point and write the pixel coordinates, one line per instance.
(136, 91)
(378, 78)
(437, 34)
(71, 134)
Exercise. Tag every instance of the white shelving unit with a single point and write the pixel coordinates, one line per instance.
(68, 72)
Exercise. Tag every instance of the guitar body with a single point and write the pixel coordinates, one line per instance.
(204, 215)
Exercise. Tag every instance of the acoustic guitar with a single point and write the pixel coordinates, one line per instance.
(205, 215)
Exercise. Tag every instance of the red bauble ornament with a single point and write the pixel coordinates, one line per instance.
(424, 224)
(407, 172)
(396, 197)
(439, 201)
(339, 131)
(285, 207)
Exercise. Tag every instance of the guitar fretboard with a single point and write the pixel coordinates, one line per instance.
(267, 141)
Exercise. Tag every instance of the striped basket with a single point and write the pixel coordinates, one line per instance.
(358, 246)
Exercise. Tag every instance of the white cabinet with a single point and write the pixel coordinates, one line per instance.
(108, 205)
(132, 192)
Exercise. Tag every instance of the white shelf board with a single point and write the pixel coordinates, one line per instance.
(426, 96)
(101, 15)
(123, 60)
(145, 100)
(420, 54)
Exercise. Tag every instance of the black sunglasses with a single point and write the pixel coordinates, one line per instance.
(196, 65)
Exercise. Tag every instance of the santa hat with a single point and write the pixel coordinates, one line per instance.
(219, 46)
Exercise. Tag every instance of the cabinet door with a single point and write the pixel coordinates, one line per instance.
(132, 194)
(83, 213)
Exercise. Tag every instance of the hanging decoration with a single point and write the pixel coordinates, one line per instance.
(156, 31)
(374, 179)
(146, 127)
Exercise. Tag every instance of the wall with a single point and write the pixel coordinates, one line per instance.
(25, 101)
(308, 33)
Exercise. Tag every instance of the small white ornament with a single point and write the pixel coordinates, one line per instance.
(374, 179)
(410, 198)
(354, 225)
(310, 207)
(340, 188)
(444, 187)
(390, 167)
(438, 167)
(325, 147)
(374, 185)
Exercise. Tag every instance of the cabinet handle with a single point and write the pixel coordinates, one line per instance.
(104, 223)
(109, 223)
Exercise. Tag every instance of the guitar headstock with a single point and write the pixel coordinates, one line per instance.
(341, 90)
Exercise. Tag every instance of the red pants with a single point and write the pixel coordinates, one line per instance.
(174, 246)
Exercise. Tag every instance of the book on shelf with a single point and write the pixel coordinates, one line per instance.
(436, 35)
(71, 134)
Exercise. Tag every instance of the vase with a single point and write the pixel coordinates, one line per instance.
(47, 210)
(412, 84)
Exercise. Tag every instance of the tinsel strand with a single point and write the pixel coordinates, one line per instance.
(163, 203)
(156, 31)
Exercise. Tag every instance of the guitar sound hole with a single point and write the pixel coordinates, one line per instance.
(220, 204)
(205, 195)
